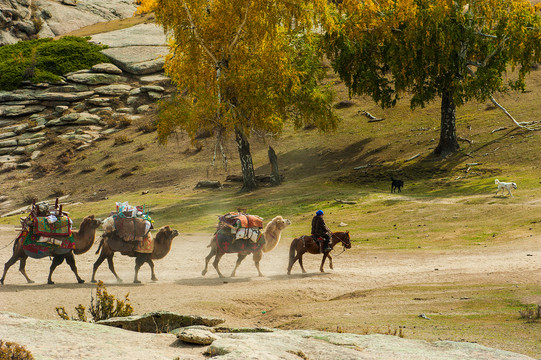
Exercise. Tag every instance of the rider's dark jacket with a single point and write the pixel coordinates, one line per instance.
(319, 228)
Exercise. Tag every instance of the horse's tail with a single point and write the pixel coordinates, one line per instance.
(101, 244)
(292, 249)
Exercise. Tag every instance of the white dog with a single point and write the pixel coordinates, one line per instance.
(505, 186)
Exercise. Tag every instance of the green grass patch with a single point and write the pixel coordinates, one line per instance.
(45, 60)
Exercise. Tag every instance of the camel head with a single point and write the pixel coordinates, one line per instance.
(273, 232)
(84, 237)
(278, 223)
(163, 241)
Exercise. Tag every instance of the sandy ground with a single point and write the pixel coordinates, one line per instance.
(249, 300)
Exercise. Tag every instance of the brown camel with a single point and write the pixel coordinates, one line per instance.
(83, 239)
(306, 244)
(272, 234)
(111, 243)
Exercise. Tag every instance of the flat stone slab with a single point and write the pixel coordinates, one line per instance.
(159, 321)
(140, 35)
(138, 60)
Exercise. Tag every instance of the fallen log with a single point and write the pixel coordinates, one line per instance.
(345, 201)
(208, 184)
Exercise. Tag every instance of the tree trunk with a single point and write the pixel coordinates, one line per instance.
(248, 174)
(448, 142)
(275, 174)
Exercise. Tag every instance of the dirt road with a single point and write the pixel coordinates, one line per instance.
(275, 299)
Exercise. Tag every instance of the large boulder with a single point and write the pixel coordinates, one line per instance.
(45, 18)
(139, 50)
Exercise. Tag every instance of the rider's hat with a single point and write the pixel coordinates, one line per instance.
(319, 212)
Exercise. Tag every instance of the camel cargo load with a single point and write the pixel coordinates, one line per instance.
(244, 226)
(130, 223)
(46, 228)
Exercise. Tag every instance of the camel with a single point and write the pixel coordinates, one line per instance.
(83, 239)
(272, 234)
(111, 243)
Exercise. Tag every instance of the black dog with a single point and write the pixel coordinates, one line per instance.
(396, 185)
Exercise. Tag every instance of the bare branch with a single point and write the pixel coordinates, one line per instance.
(237, 35)
(194, 29)
(511, 117)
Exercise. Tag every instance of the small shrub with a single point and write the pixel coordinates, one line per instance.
(103, 307)
(121, 140)
(531, 313)
(13, 351)
(88, 169)
(123, 122)
(28, 199)
(111, 170)
(109, 164)
(141, 147)
(147, 128)
(57, 192)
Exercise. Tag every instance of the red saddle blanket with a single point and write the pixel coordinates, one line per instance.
(228, 244)
(38, 246)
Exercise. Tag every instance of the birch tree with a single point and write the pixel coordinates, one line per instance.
(456, 50)
(243, 66)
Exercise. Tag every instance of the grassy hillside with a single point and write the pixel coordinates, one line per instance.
(446, 204)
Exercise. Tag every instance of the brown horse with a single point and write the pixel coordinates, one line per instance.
(306, 244)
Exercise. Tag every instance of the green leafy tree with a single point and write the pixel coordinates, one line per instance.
(243, 66)
(456, 50)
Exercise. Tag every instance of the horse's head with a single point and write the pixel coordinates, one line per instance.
(344, 239)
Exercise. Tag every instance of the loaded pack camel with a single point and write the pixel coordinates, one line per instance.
(111, 243)
(83, 240)
(271, 234)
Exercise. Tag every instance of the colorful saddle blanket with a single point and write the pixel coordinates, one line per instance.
(227, 242)
(39, 246)
(44, 226)
(145, 246)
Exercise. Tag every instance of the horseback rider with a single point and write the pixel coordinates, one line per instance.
(320, 230)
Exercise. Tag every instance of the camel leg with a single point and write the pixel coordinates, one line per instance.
(152, 273)
(207, 259)
(57, 260)
(70, 260)
(240, 257)
(323, 261)
(22, 270)
(8, 264)
(96, 266)
(257, 256)
(215, 264)
(139, 261)
(112, 267)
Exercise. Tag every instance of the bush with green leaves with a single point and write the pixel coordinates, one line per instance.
(105, 306)
(45, 60)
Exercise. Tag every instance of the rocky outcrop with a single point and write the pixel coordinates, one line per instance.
(81, 108)
(50, 339)
(29, 19)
